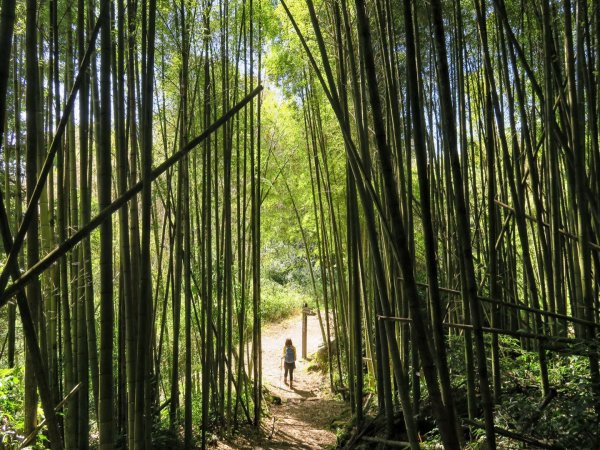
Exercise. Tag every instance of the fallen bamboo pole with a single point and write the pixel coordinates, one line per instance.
(58, 407)
(386, 442)
(547, 225)
(516, 436)
(517, 334)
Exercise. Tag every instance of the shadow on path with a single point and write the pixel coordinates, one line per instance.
(303, 394)
(304, 418)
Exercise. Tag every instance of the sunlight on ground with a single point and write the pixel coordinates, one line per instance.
(304, 418)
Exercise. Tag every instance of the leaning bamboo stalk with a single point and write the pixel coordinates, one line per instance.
(369, 198)
(48, 164)
(84, 231)
(517, 306)
(31, 339)
(562, 231)
(441, 398)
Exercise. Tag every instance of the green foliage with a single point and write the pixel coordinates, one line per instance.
(285, 264)
(280, 301)
(11, 396)
(285, 62)
(568, 419)
(11, 407)
(285, 163)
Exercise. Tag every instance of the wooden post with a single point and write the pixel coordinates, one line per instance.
(304, 330)
(306, 311)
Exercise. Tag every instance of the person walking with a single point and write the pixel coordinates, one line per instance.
(289, 361)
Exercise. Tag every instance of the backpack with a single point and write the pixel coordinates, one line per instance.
(289, 354)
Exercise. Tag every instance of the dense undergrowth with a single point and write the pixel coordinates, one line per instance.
(568, 419)
(565, 419)
(285, 286)
(11, 407)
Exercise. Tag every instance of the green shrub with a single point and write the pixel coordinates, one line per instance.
(568, 419)
(11, 407)
(280, 301)
(11, 396)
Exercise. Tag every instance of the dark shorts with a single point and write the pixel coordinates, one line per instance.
(289, 367)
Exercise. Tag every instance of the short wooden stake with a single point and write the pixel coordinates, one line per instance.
(306, 311)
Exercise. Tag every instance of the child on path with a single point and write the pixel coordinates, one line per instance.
(289, 361)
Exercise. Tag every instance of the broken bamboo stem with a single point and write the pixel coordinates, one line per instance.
(516, 436)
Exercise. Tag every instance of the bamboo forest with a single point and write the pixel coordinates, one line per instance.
(299, 224)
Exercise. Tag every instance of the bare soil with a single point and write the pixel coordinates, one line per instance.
(308, 411)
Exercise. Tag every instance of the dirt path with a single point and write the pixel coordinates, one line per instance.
(304, 418)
